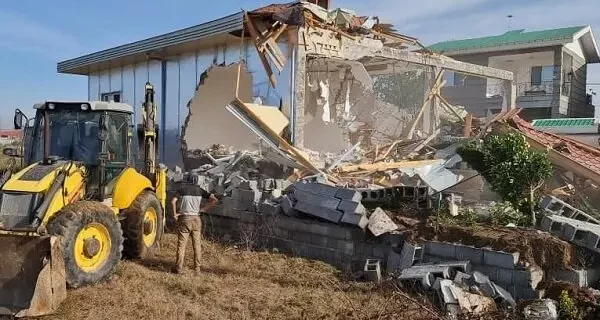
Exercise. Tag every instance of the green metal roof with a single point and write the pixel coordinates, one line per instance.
(509, 38)
(565, 122)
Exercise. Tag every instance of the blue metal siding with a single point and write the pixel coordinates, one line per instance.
(182, 76)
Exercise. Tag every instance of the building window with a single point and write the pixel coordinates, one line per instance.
(111, 96)
(460, 80)
(449, 78)
(541, 74)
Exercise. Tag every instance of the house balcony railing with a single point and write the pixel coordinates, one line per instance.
(543, 88)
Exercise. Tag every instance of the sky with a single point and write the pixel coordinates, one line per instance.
(33, 38)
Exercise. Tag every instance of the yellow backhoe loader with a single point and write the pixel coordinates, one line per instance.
(79, 204)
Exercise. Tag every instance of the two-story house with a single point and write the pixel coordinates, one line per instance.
(550, 68)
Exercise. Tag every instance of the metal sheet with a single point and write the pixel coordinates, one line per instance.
(437, 177)
(32, 275)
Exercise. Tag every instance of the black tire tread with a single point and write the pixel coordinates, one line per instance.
(134, 247)
(67, 223)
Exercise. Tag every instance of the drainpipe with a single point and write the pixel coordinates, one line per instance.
(163, 109)
(293, 96)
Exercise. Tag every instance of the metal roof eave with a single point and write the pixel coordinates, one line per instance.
(219, 26)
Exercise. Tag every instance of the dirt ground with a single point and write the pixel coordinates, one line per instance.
(236, 284)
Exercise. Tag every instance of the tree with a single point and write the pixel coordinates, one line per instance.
(515, 171)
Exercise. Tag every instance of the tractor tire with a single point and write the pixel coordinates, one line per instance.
(143, 226)
(91, 240)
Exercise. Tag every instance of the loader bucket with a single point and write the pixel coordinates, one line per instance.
(32, 275)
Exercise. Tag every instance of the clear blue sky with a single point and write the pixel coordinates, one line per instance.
(35, 35)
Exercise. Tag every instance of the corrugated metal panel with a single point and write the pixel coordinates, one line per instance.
(223, 25)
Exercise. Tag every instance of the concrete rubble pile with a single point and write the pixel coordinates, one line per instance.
(459, 287)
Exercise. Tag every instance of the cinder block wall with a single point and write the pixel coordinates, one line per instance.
(345, 247)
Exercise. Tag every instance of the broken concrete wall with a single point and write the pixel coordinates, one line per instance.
(208, 122)
(359, 110)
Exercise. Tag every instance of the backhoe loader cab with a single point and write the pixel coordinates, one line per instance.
(96, 134)
(79, 204)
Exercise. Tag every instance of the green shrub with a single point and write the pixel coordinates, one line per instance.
(567, 309)
(504, 213)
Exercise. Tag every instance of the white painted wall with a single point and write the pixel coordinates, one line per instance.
(521, 64)
(575, 46)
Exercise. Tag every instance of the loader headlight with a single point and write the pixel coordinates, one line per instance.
(51, 106)
(85, 106)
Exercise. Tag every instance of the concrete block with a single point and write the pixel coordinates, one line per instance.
(503, 296)
(443, 287)
(393, 262)
(584, 234)
(464, 279)
(444, 272)
(348, 194)
(287, 207)
(433, 259)
(521, 292)
(475, 255)
(484, 284)
(580, 277)
(505, 276)
(352, 207)
(316, 188)
(440, 249)
(358, 220)
(354, 234)
(463, 266)
(372, 270)
(318, 211)
(344, 246)
(249, 216)
(545, 309)
(317, 200)
(270, 209)
(490, 271)
(409, 255)
(379, 251)
(325, 229)
(380, 223)
(393, 239)
(302, 237)
(319, 240)
(428, 281)
(556, 206)
(280, 233)
(500, 259)
(246, 195)
(530, 277)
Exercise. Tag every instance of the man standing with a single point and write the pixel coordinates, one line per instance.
(189, 221)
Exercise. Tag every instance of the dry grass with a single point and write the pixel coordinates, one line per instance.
(235, 284)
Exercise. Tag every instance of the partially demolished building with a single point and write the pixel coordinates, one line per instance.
(252, 102)
(338, 78)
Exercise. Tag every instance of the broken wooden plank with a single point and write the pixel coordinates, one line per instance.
(450, 107)
(382, 166)
(254, 33)
(423, 144)
(438, 83)
(468, 125)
